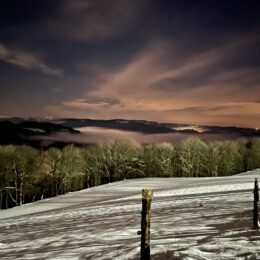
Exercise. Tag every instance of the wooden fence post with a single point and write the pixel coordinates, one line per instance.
(147, 196)
(255, 210)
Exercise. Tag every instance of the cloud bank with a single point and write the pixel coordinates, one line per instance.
(26, 61)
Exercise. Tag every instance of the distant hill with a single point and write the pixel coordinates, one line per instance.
(23, 132)
(155, 127)
(143, 126)
(60, 132)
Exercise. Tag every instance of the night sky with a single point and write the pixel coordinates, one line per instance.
(182, 61)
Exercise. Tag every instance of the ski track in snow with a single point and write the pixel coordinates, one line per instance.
(194, 218)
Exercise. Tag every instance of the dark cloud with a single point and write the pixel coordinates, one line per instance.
(226, 64)
(91, 20)
(27, 61)
(99, 101)
(218, 108)
(187, 109)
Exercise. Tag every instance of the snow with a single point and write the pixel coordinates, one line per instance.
(195, 218)
(191, 127)
(35, 129)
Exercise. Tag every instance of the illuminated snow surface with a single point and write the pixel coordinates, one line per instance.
(203, 218)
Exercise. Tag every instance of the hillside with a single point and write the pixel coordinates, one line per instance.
(31, 132)
(82, 132)
(151, 127)
(141, 126)
(202, 218)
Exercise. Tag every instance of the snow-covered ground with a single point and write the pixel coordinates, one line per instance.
(202, 218)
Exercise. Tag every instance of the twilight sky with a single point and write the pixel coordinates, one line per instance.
(183, 61)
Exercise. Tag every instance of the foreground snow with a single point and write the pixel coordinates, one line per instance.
(205, 218)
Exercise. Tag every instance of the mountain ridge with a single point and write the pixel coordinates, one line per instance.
(40, 132)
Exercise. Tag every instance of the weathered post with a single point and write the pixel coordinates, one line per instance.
(255, 210)
(147, 196)
(1, 198)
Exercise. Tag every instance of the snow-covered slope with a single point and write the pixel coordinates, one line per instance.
(203, 218)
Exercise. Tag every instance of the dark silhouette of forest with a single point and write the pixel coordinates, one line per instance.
(28, 174)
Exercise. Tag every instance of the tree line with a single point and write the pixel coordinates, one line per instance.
(28, 174)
